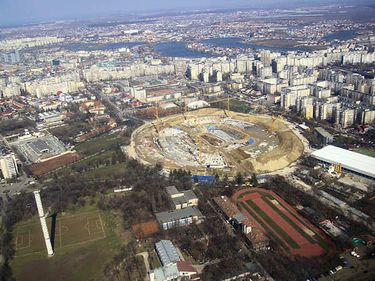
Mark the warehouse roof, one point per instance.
(349, 160)
(167, 252)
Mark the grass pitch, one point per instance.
(69, 230)
(84, 241)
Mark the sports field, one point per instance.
(282, 223)
(65, 231)
(82, 238)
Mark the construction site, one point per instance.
(212, 141)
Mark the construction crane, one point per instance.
(158, 121)
(227, 99)
(199, 142)
(271, 128)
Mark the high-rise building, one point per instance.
(11, 57)
(8, 166)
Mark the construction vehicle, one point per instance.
(337, 168)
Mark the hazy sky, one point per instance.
(23, 11)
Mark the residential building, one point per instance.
(8, 166)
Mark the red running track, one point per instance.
(306, 248)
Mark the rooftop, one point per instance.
(167, 252)
(178, 214)
(349, 160)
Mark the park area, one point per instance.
(282, 224)
(82, 240)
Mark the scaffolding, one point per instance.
(43, 223)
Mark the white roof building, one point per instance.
(351, 161)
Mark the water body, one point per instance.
(178, 49)
(235, 42)
(102, 47)
(341, 35)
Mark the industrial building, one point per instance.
(182, 199)
(173, 268)
(38, 147)
(351, 161)
(180, 217)
(167, 252)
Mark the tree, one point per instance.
(254, 180)
(239, 178)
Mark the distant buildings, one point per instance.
(10, 57)
(92, 106)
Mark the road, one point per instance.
(147, 264)
(12, 189)
(120, 114)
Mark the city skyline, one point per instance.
(15, 12)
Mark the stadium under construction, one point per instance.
(213, 141)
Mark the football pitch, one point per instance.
(65, 231)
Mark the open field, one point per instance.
(82, 241)
(223, 141)
(365, 151)
(282, 223)
(105, 142)
(68, 231)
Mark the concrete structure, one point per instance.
(179, 217)
(323, 135)
(38, 148)
(351, 161)
(167, 252)
(8, 166)
(43, 223)
(182, 199)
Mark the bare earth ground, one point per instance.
(289, 148)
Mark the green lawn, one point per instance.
(77, 262)
(105, 172)
(365, 151)
(101, 143)
(274, 226)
